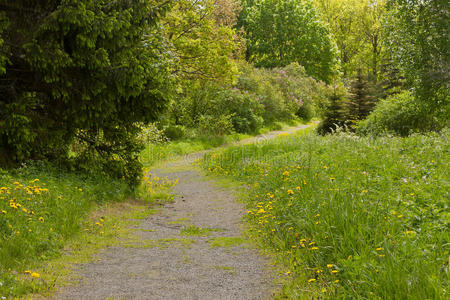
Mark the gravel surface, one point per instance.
(169, 265)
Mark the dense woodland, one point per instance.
(79, 79)
(86, 85)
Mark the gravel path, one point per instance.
(167, 264)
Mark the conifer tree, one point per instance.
(362, 100)
(335, 113)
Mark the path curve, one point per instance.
(170, 265)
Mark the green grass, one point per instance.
(198, 231)
(154, 153)
(349, 217)
(226, 242)
(40, 209)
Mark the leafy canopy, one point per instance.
(280, 32)
(80, 68)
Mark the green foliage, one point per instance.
(400, 114)
(417, 42)
(281, 32)
(361, 100)
(174, 132)
(349, 217)
(356, 26)
(201, 45)
(40, 209)
(335, 113)
(80, 69)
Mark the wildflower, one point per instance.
(35, 275)
(332, 178)
(329, 265)
(24, 210)
(380, 249)
(409, 232)
(27, 272)
(336, 281)
(298, 188)
(4, 212)
(399, 216)
(290, 192)
(41, 219)
(334, 271)
(314, 248)
(318, 215)
(286, 173)
(311, 280)
(325, 167)
(312, 243)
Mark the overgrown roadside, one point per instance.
(192, 243)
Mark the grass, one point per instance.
(155, 153)
(50, 220)
(226, 242)
(40, 209)
(198, 231)
(349, 217)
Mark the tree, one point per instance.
(280, 32)
(417, 41)
(334, 116)
(361, 100)
(356, 27)
(80, 70)
(200, 47)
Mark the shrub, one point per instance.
(220, 125)
(399, 114)
(174, 132)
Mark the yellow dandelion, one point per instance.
(336, 281)
(380, 249)
(329, 266)
(290, 192)
(27, 272)
(314, 248)
(311, 280)
(35, 275)
(334, 271)
(286, 173)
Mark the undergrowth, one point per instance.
(40, 209)
(349, 217)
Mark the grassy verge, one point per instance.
(155, 153)
(349, 217)
(40, 209)
(51, 220)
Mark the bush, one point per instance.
(220, 125)
(399, 114)
(174, 132)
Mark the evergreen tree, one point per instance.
(335, 113)
(362, 100)
(80, 70)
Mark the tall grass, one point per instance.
(349, 217)
(40, 208)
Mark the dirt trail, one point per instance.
(167, 264)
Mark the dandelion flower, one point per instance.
(334, 271)
(35, 275)
(27, 272)
(314, 248)
(311, 280)
(329, 265)
(290, 192)
(380, 249)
